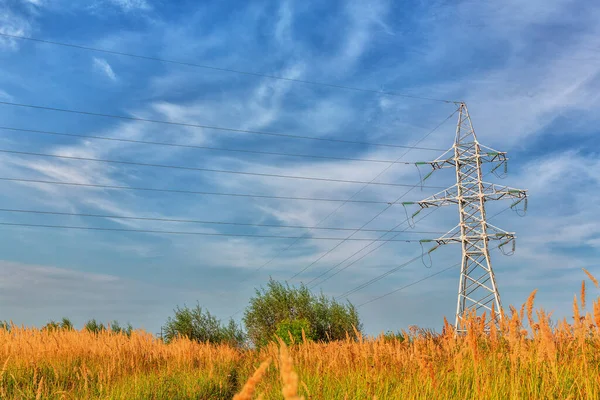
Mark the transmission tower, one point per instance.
(477, 287)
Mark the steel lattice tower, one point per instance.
(477, 288)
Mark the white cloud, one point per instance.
(36, 3)
(35, 294)
(13, 24)
(511, 102)
(131, 5)
(284, 25)
(363, 18)
(5, 96)
(103, 66)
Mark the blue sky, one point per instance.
(529, 73)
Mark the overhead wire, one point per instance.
(222, 171)
(182, 232)
(379, 277)
(185, 191)
(190, 125)
(209, 67)
(393, 230)
(191, 146)
(344, 203)
(371, 251)
(383, 210)
(409, 285)
(195, 221)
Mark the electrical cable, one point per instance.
(189, 64)
(341, 205)
(183, 232)
(411, 284)
(10, 210)
(191, 146)
(366, 254)
(183, 191)
(157, 121)
(222, 171)
(382, 211)
(379, 277)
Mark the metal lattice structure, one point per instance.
(477, 288)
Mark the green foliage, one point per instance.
(290, 331)
(200, 325)
(328, 320)
(94, 327)
(115, 327)
(390, 336)
(65, 323)
(5, 325)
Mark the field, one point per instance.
(546, 361)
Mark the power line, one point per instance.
(182, 232)
(379, 277)
(366, 254)
(182, 191)
(43, 212)
(189, 64)
(371, 251)
(380, 212)
(422, 279)
(344, 203)
(190, 146)
(156, 121)
(222, 171)
(409, 285)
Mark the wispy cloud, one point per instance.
(123, 5)
(521, 90)
(5, 96)
(12, 23)
(103, 66)
(129, 5)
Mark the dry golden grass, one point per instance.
(558, 361)
(250, 385)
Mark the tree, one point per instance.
(65, 324)
(116, 328)
(200, 325)
(294, 331)
(327, 319)
(94, 327)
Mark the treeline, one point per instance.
(293, 314)
(90, 326)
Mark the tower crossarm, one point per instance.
(445, 197)
(492, 233)
(468, 154)
(470, 193)
(496, 192)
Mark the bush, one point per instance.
(116, 328)
(200, 325)
(290, 331)
(94, 327)
(390, 336)
(327, 319)
(64, 324)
